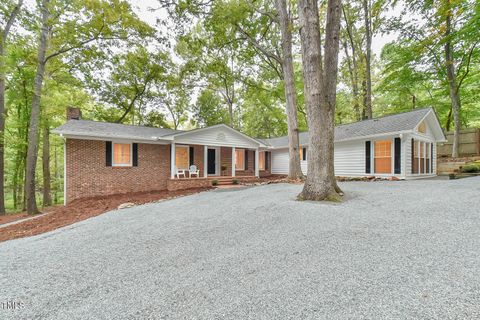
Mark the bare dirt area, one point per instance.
(79, 210)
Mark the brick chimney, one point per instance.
(74, 113)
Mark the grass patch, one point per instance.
(10, 208)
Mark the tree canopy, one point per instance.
(202, 63)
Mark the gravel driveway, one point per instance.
(392, 250)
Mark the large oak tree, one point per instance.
(320, 81)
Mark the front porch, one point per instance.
(216, 161)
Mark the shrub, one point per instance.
(470, 168)
(214, 182)
(235, 181)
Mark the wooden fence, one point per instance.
(469, 143)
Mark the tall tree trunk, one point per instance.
(353, 80)
(47, 197)
(55, 174)
(3, 40)
(294, 168)
(352, 70)
(2, 127)
(35, 113)
(368, 69)
(452, 80)
(448, 122)
(320, 82)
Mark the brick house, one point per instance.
(107, 158)
(102, 159)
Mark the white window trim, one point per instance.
(392, 158)
(113, 155)
(428, 145)
(188, 155)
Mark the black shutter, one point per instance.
(304, 154)
(267, 160)
(191, 152)
(368, 146)
(254, 157)
(245, 152)
(398, 155)
(108, 153)
(135, 154)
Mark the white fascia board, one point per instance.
(116, 138)
(372, 136)
(173, 136)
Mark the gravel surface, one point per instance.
(392, 250)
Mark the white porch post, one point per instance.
(257, 169)
(233, 161)
(425, 158)
(172, 161)
(205, 161)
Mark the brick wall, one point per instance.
(226, 159)
(251, 165)
(198, 158)
(88, 175)
(180, 184)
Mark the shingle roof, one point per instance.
(383, 125)
(111, 130)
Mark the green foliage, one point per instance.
(470, 168)
(235, 181)
(214, 183)
(219, 65)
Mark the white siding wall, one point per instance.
(280, 161)
(350, 158)
(407, 142)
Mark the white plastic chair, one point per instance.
(193, 170)
(179, 172)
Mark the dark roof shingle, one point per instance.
(111, 130)
(383, 125)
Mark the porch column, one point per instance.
(172, 161)
(257, 169)
(233, 161)
(205, 161)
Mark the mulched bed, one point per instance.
(82, 209)
(12, 217)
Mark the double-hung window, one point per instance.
(122, 155)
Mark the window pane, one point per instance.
(261, 160)
(121, 154)
(416, 158)
(181, 157)
(383, 156)
(239, 159)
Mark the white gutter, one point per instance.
(397, 133)
(74, 135)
